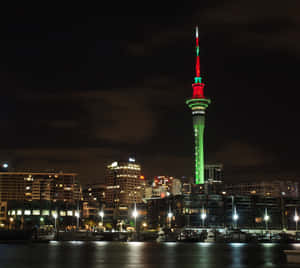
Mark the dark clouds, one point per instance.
(85, 89)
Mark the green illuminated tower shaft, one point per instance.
(198, 104)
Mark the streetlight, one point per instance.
(296, 219)
(11, 220)
(101, 214)
(235, 217)
(266, 218)
(135, 214)
(203, 216)
(55, 217)
(77, 215)
(170, 215)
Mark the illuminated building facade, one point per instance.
(124, 183)
(25, 186)
(163, 186)
(198, 104)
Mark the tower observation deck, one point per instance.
(198, 104)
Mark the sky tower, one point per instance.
(198, 104)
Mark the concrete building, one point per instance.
(214, 172)
(94, 192)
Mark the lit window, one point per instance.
(69, 213)
(27, 212)
(45, 213)
(35, 212)
(62, 213)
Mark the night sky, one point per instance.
(84, 86)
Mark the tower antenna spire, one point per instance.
(197, 78)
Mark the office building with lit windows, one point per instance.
(30, 186)
(124, 183)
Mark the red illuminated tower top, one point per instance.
(198, 86)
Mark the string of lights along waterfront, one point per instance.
(198, 104)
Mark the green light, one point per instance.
(198, 125)
(197, 51)
(198, 80)
(198, 103)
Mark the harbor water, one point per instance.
(141, 254)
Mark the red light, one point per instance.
(198, 91)
(142, 177)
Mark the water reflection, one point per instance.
(138, 254)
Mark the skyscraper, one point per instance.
(124, 183)
(198, 104)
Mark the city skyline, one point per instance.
(81, 92)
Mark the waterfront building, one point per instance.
(20, 214)
(219, 211)
(198, 104)
(274, 188)
(29, 186)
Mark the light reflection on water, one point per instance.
(138, 254)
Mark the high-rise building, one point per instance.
(124, 183)
(198, 104)
(213, 172)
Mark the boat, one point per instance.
(211, 237)
(191, 236)
(166, 237)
